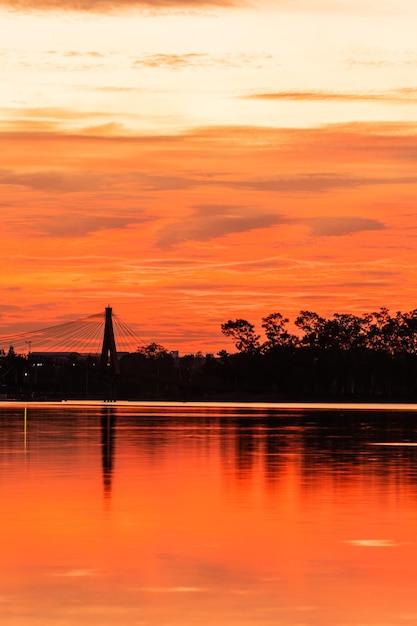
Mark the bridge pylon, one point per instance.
(109, 363)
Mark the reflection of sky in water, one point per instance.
(235, 517)
(373, 543)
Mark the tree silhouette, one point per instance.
(313, 327)
(276, 332)
(243, 334)
(153, 351)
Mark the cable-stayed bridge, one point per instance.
(105, 337)
(83, 336)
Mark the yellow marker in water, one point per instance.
(25, 418)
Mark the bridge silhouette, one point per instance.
(86, 335)
(103, 336)
(90, 357)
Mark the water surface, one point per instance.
(200, 515)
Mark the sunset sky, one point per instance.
(190, 162)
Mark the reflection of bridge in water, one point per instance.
(108, 424)
(107, 431)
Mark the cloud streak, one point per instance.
(198, 60)
(173, 61)
(54, 181)
(74, 182)
(74, 225)
(209, 222)
(305, 6)
(110, 6)
(401, 95)
(319, 183)
(342, 225)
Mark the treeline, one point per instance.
(378, 331)
(369, 357)
(372, 357)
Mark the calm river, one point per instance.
(177, 515)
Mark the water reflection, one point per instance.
(108, 423)
(231, 516)
(246, 441)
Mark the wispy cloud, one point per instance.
(74, 225)
(69, 225)
(57, 113)
(78, 181)
(318, 183)
(306, 6)
(173, 61)
(75, 53)
(380, 59)
(110, 6)
(61, 120)
(342, 225)
(406, 94)
(198, 60)
(53, 180)
(212, 221)
(208, 222)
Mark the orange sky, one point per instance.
(188, 162)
